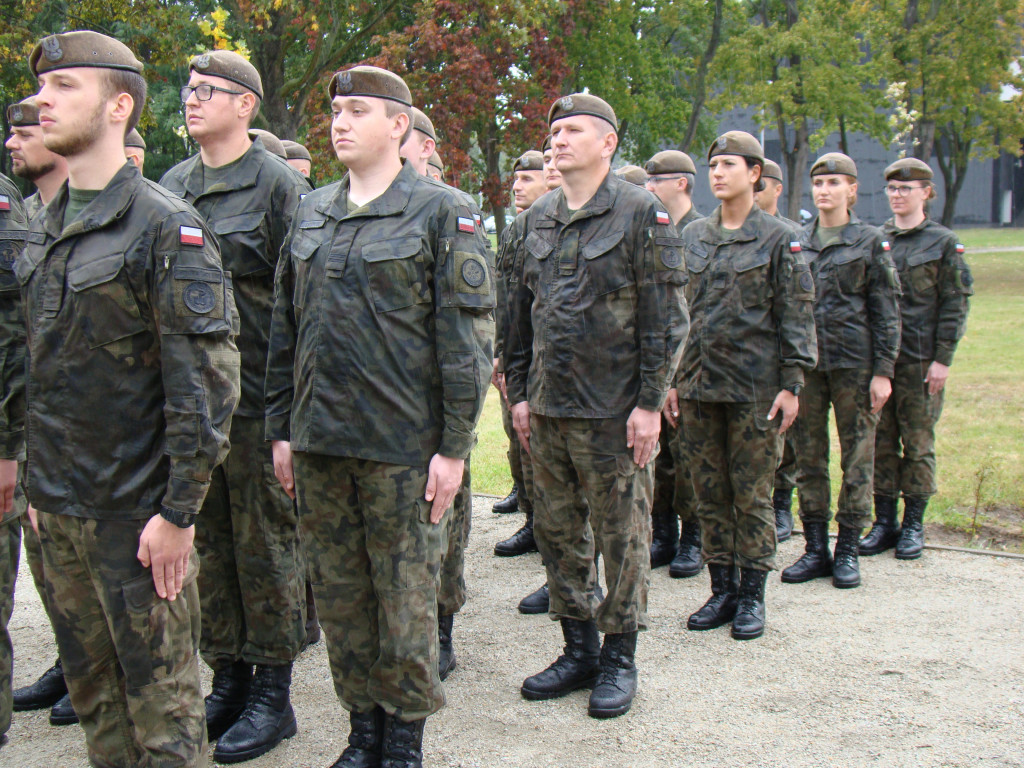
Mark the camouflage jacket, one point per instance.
(691, 215)
(751, 307)
(856, 304)
(132, 373)
(381, 342)
(33, 205)
(505, 272)
(598, 320)
(13, 231)
(936, 285)
(250, 214)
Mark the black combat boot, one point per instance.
(520, 542)
(265, 722)
(227, 697)
(62, 713)
(44, 692)
(365, 740)
(665, 535)
(845, 568)
(911, 541)
(782, 500)
(403, 743)
(444, 635)
(816, 561)
(721, 607)
(616, 685)
(312, 620)
(536, 602)
(749, 621)
(576, 668)
(509, 504)
(687, 561)
(884, 533)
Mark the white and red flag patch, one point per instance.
(794, 246)
(190, 235)
(960, 248)
(477, 218)
(663, 218)
(5, 203)
(466, 225)
(885, 245)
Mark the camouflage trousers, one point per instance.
(785, 475)
(34, 558)
(672, 473)
(130, 658)
(519, 461)
(374, 561)
(905, 439)
(10, 551)
(252, 582)
(733, 452)
(847, 391)
(451, 589)
(577, 460)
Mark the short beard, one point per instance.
(77, 143)
(34, 172)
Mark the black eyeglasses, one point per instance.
(203, 92)
(901, 190)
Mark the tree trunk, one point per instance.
(491, 151)
(700, 79)
(795, 158)
(954, 160)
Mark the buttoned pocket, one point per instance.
(11, 245)
(607, 267)
(104, 302)
(394, 274)
(243, 243)
(923, 269)
(752, 277)
(539, 249)
(851, 272)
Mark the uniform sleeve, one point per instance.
(793, 308)
(287, 195)
(194, 304)
(464, 300)
(279, 387)
(884, 292)
(662, 318)
(956, 286)
(13, 231)
(517, 348)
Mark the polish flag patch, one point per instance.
(466, 225)
(794, 247)
(190, 235)
(960, 248)
(5, 203)
(478, 219)
(663, 218)
(885, 245)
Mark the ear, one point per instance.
(246, 104)
(428, 148)
(611, 143)
(684, 184)
(122, 108)
(400, 126)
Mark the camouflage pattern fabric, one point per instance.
(664, 475)
(733, 450)
(34, 558)
(130, 658)
(785, 475)
(374, 559)
(10, 549)
(451, 590)
(905, 438)
(519, 461)
(684, 500)
(847, 391)
(13, 235)
(577, 460)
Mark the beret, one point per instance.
(365, 80)
(529, 161)
(547, 143)
(231, 66)
(909, 169)
(582, 104)
(421, 123)
(134, 139)
(670, 161)
(771, 170)
(295, 151)
(271, 143)
(435, 160)
(634, 174)
(834, 162)
(737, 143)
(24, 113)
(82, 48)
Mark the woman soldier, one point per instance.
(751, 339)
(857, 319)
(936, 284)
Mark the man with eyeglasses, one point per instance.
(252, 579)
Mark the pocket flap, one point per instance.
(243, 222)
(601, 245)
(923, 257)
(399, 248)
(696, 260)
(846, 255)
(304, 247)
(95, 272)
(748, 261)
(538, 246)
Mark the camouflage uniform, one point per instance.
(597, 327)
(128, 302)
(750, 295)
(252, 579)
(380, 355)
(936, 285)
(857, 321)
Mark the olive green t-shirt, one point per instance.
(78, 199)
(828, 235)
(213, 176)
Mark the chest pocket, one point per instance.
(923, 269)
(304, 245)
(243, 244)
(752, 277)
(851, 271)
(11, 246)
(696, 266)
(539, 249)
(396, 278)
(104, 302)
(25, 265)
(606, 266)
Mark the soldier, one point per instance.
(857, 319)
(552, 176)
(252, 577)
(634, 174)
(30, 159)
(135, 148)
(435, 168)
(597, 324)
(767, 200)
(125, 301)
(422, 140)
(298, 157)
(671, 175)
(936, 285)
(13, 231)
(751, 295)
(379, 361)
(271, 143)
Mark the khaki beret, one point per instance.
(365, 80)
(231, 66)
(547, 144)
(529, 161)
(421, 123)
(82, 48)
(295, 151)
(909, 169)
(134, 139)
(582, 104)
(271, 143)
(771, 170)
(24, 113)
(737, 143)
(834, 162)
(634, 174)
(435, 160)
(670, 161)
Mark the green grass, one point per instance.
(981, 239)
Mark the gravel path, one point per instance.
(922, 666)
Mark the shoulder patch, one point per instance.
(886, 246)
(466, 225)
(199, 297)
(5, 203)
(663, 218)
(794, 246)
(960, 248)
(806, 281)
(473, 273)
(190, 236)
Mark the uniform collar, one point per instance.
(890, 227)
(393, 201)
(110, 204)
(602, 201)
(715, 233)
(245, 172)
(845, 234)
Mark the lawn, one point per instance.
(981, 434)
